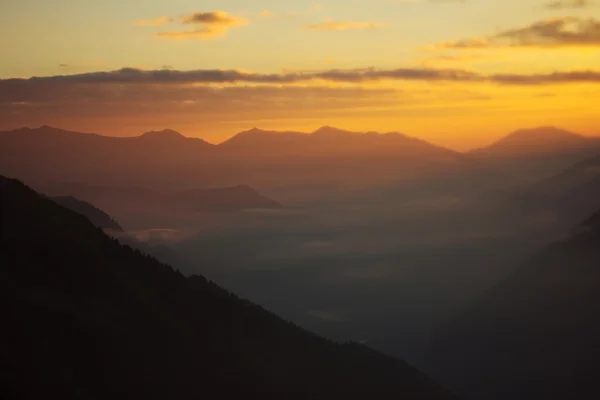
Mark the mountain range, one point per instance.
(86, 318)
(263, 158)
(256, 157)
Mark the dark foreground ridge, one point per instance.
(87, 318)
(96, 216)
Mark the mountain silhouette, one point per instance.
(331, 132)
(263, 159)
(537, 153)
(166, 134)
(534, 141)
(43, 154)
(87, 318)
(227, 199)
(96, 216)
(334, 142)
(535, 335)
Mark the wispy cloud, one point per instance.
(551, 33)
(562, 4)
(207, 25)
(133, 76)
(154, 22)
(201, 33)
(436, 61)
(213, 18)
(332, 25)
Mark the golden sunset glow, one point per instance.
(459, 73)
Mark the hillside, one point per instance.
(96, 216)
(535, 335)
(87, 318)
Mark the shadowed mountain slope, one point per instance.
(571, 195)
(87, 318)
(535, 335)
(96, 216)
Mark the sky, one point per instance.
(457, 73)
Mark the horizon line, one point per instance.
(283, 131)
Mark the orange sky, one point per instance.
(460, 74)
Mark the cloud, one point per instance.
(562, 4)
(202, 33)
(208, 25)
(220, 18)
(153, 22)
(130, 99)
(463, 58)
(133, 76)
(551, 33)
(552, 78)
(31, 102)
(332, 25)
(473, 43)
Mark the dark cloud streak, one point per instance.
(563, 4)
(557, 32)
(132, 76)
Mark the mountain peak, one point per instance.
(542, 134)
(331, 131)
(254, 131)
(46, 129)
(165, 133)
(543, 139)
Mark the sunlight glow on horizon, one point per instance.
(517, 37)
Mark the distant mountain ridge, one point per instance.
(328, 157)
(542, 137)
(533, 154)
(344, 139)
(257, 158)
(526, 142)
